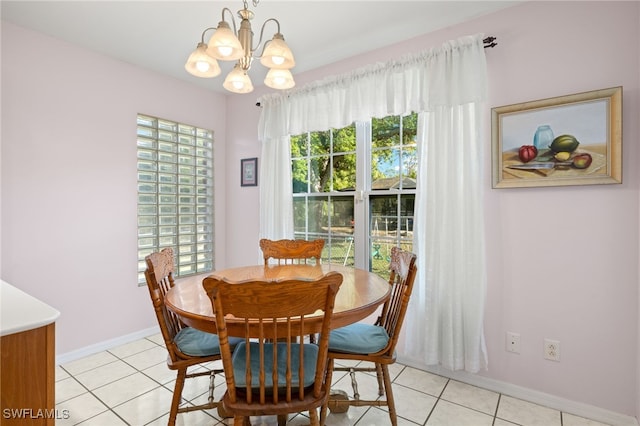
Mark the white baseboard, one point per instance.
(537, 397)
(105, 345)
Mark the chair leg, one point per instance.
(313, 417)
(389, 394)
(177, 395)
(222, 412)
(379, 375)
(328, 378)
(241, 421)
(282, 419)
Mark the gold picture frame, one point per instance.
(577, 140)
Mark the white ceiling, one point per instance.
(160, 35)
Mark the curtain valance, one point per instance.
(417, 82)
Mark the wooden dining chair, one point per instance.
(273, 371)
(186, 346)
(374, 343)
(291, 251)
(287, 252)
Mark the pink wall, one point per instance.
(563, 262)
(69, 232)
(243, 202)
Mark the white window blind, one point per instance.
(175, 193)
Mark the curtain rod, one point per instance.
(488, 42)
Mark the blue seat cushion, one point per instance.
(194, 342)
(310, 354)
(358, 338)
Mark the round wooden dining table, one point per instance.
(360, 294)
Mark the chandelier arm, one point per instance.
(233, 21)
(262, 34)
(205, 30)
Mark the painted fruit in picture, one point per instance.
(582, 161)
(527, 153)
(564, 143)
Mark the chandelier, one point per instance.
(237, 45)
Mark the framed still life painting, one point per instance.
(568, 140)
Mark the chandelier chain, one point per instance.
(254, 2)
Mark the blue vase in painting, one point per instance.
(543, 137)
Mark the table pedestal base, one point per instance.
(338, 401)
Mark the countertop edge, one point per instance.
(22, 312)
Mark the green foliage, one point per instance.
(313, 153)
(299, 168)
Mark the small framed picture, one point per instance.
(249, 172)
(568, 140)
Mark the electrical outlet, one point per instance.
(552, 350)
(513, 342)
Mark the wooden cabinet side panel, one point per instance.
(27, 377)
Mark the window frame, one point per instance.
(175, 197)
(361, 194)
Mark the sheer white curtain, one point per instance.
(446, 85)
(446, 311)
(276, 201)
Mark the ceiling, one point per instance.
(160, 35)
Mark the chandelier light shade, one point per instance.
(277, 54)
(279, 79)
(202, 64)
(238, 81)
(228, 44)
(224, 44)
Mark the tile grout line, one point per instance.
(495, 413)
(136, 370)
(438, 398)
(89, 391)
(183, 401)
(160, 385)
(493, 416)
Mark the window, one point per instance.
(357, 185)
(175, 193)
(323, 173)
(392, 195)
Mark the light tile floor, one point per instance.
(131, 385)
